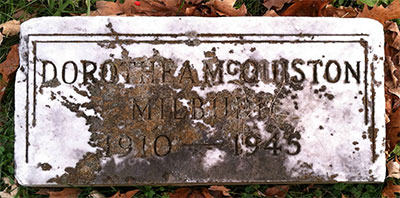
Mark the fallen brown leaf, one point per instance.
(191, 193)
(180, 193)
(8, 67)
(271, 13)
(222, 189)
(96, 194)
(138, 8)
(22, 15)
(128, 194)
(194, 2)
(10, 28)
(43, 191)
(152, 7)
(381, 13)
(10, 191)
(277, 191)
(390, 189)
(392, 41)
(206, 193)
(393, 168)
(306, 8)
(276, 4)
(169, 8)
(201, 10)
(393, 90)
(107, 8)
(225, 7)
(392, 69)
(65, 193)
(342, 12)
(388, 105)
(393, 130)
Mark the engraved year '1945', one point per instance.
(241, 144)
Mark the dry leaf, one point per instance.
(106, 8)
(391, 26)
(277, 191)
(390, 189)
(10, 28)
(1, 38)
(201, 10)
(225, 7)
(12, 189)
(393, 90)
(190, 11)
(306, 8)
(342, 12)
(392, 68)
(168, 8)
(206, 193)
(138, 8)
(152, 7)
(8, 67)
(128, 194)
(392, 37)
(22, 15)
(180, 193)
(271, 13)
(65, 193)
(393, 168)
(388, 105)
(194, 2)
(393, 129)
(277, 4)
(191, 193)
(223, 189)
(381, 13)
(96, 194)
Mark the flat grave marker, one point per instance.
(187, 101)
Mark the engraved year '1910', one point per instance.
(241, 144)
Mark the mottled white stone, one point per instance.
(336, 141)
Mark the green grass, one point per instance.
(39, 8)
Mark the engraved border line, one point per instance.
(202, 41)
(199, 35)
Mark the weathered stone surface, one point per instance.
(145, 100)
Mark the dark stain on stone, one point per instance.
(157, 130)
(372, 132)
(209, 54)
(329, 96)
(50, 83)
(45, 166)
(364, 136)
